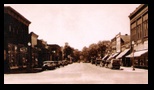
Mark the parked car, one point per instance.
(61, 63)
(115, 64)
(65, 62)
(102, 63)
(48, 65)
(57, 64)
(93, 60)
(97, 61)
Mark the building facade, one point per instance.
(43, 51)
(119, 45)
(139, 35)
(123, 46)
(34, 50)
(16, 28)
(56, 52)
(113, 45)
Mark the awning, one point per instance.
(104, 56)
(109, 57)
(114, 55)
(122, 53)
(137, 54)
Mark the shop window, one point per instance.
(9, 28)
(12, 53)
(147, 27)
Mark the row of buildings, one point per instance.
(132, 49)
(21, 48)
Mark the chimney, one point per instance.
(126, 34)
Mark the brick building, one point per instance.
(34, 50)
(139, 35)
(118, 44)
(56, 52)
(16, 28)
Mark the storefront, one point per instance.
(125, 61)
(140, 58)
(17, 56)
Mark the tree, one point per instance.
(76, 53)
(68, 51)
(101, 48)
(93, 50)
(85, 53)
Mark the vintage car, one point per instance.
(48, 65)
(60, 63)
(98, 61)
(65, 62)
(102, 63)
(57, 64)
(114, 64)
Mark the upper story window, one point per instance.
(133, 33)
(139, 31)
(145, 28)
(10, 28)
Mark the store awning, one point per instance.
(115, 54)
(109, 57)
(122, 53)
(104, 56)
(137, 53)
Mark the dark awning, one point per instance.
(137, 53)
(122, 53)
(114, 55)
(104, 56)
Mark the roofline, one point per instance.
(34, 34)
(13, 10)
(136, 10)
(53, 45)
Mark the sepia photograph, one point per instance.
(75, 43)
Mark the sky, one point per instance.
(78, 24)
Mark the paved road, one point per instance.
(80, 73)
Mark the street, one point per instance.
(80, 73)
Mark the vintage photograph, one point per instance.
(75, 43)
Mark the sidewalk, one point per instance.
(18, 71)
(130, 69)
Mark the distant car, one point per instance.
(102, 63)
(60, 63)
(115, 64)
(48, 65)
(57, 64)
(65, 62)
(93, 61)
(97, 62)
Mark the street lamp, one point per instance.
(133, 55)
(29, 61)
(54, 55)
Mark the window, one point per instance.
(133, 33)
(140, 33)
(9, 28)
(145, 28)
(137, 29)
